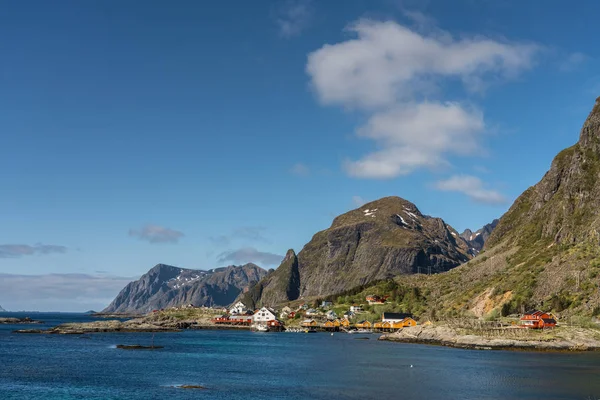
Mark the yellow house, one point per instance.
(378, 325)
(329, 324)
(337, 323)
(397, 324)
(364, 325)
(345, 323)
(309, 323)
(409, 322)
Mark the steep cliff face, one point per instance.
(278, 286)
(166, 286)
(545, 251)
(564, 206)
(379, 240)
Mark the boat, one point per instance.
(310, 330)
(262, 328)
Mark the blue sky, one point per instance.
(204, 134)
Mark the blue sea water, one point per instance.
(247, 365)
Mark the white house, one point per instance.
(326, 304)
(311, 311)
(264, 315)
(331, 315)
(285, 311)
(356, 309)
(238, 308)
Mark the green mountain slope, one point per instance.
(544, 252)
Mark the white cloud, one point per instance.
(472, 187)
(156, 234)
(388, 62)
(358, 201)
(389, 70)
(19, 250)
(300, 169)
(293, 17)
(416, 135)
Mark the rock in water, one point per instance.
(137, 347)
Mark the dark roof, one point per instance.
(533, 312)
(549, 320)
(393, 315)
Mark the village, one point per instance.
(322, 317)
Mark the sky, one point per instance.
(204, 134)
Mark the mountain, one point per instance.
(544, 252)
(380, 240)
(165, 286)
(2, 309)
(476, 240)
(563, 207)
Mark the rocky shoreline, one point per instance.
(117, 315)
(558, 339)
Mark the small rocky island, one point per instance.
(14, 321)
(137, 347)
(134, 325)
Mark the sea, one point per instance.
(255, 365)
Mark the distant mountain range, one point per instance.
(477, 239)
(165, 286)
(2, 309)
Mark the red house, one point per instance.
(537, 320)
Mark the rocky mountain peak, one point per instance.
(379, 240)
(477, 239)
(393, 208)
(590, 132)
(289, 255)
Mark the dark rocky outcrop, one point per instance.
(278, 286)
(137, 347)
(379, 240)
(166, 286)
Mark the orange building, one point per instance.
(309, 323)
(537, 320)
